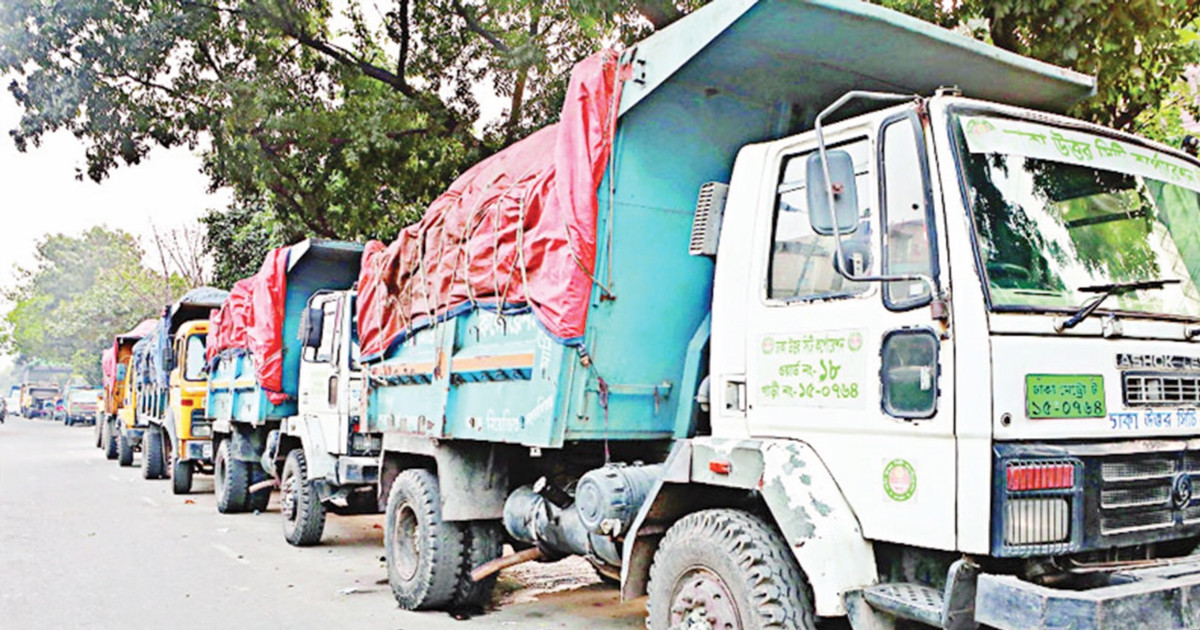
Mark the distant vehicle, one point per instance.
(14, 399)
(34, 398)
(80, 407)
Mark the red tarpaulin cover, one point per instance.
(251, 320)
(108, 365)
(516, 230)
(108, 360)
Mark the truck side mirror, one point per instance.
(845, 195)
(314, 325)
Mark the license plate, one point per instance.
(201, 450)
(1064, 396)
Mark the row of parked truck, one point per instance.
(910, 356)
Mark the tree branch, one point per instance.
(476, 27)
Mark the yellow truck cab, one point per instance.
(116, 364)
(127, 418)
(188, 446)
(177, 438)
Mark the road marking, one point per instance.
(233, 555)
(150, 501)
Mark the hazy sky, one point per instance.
(39, 193)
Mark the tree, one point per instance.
(238, 239)
(181, 251)
(340, 123)
(1137, 49)
(80, 292)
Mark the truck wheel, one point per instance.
(110, 440)
(124, 450)
(726, 569)
(181, 476)
(424, 555)
(483, 542)
(152, 454)
(99, 433)
(303, 513)
(230, 481)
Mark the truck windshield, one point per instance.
(1056, 210)
(193, 369)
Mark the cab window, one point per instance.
(193, 359)
(801, 266)
(325, 351)
(904, 187)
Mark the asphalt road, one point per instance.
(87, 544)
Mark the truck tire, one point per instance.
(230, 482)
(99, 433)
(302, 510)
(424, 555)
(181, 476)
(124, 450)
(110, 440)
(727, 569)
(483, 541)
(153, 466)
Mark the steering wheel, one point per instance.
(1008, 273)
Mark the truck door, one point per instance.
(319, 378)
(861, 371)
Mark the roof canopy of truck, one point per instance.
(195, 304)
(803, 55)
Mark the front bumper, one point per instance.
(1160, 597)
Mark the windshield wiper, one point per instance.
(1106, 290)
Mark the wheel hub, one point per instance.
(702, 601)
(404, 546)
(287, 498)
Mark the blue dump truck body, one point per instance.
(234, 395)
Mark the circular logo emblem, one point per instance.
(854, 341)
(768, 345)
(899, 480)
(1181, 491)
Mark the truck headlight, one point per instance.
(1037, 521)
(1039, 497)
(201, 426)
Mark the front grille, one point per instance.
(1115, 498)
(1126, 522)
(1135, 496)
(1153, 389)
(1138, 469)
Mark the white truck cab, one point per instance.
(328, 460)
(1016, 417)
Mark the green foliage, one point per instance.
(239, 239)
(81, 291)
(1138, 50)
(338, 119)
